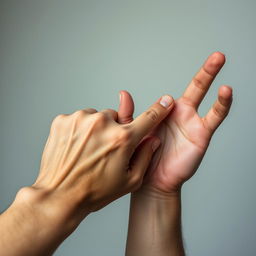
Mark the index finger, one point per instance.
(201, 82)
(149, 119)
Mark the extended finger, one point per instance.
(126, 108)
(201, 82)
(220, 109)
(149, 119)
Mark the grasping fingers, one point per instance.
(201, 82)
(220, 109)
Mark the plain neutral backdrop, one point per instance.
(60, 56)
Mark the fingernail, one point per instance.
(166, 101)
(155, 144)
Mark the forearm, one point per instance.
(155, 225)
(27, 227)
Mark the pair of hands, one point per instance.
(92, 158)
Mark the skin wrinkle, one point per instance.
(219, 110)
(209, 74)
(174, 141)
(167, 127)
(159, 152)
(182, 131)
(152, 167)
(207, 127)
(199, 84)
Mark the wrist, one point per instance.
(23, 224)
(50, 208)
(155, 223)
(153, 193)
(158, 205)
(37, 216)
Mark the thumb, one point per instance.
(142, 157)
(126, 108)
(148, 120)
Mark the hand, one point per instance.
(90, 160)
(185, 136)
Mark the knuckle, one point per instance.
(110, 110)
(198, 83)
(79, 114)
(152, 114)
(226, 103)
(219, 111)
(110, 113)
(90, 110)
(100, 117)
(58, 119)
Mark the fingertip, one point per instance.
(125, 91)
(218, 57)
(225, 96)
(214, 63)
(125, 95)
(219, 52)
(166, 101)
(226, 91)
(152, 117)
(126, 107)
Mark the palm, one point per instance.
(184, 142)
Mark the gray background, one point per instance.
(61, 56)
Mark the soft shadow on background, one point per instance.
(60, 56)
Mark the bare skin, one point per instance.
(185, 137)
(89, 160)
(98, 161)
